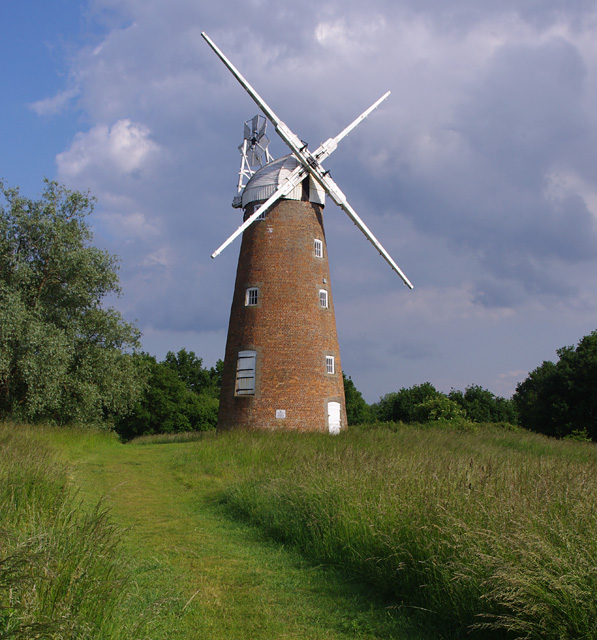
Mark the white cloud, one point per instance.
(559, 185)
(354, 39)
(56, 104)
(160, 258)
(125, 147)
(134, 225)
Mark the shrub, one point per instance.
(439, 409)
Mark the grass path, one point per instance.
(213, 577)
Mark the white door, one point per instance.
(334, 417)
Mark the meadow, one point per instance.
(382, 532)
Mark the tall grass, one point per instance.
(490, 531)
(61, 572)
(493, 533)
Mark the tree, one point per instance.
(401, 406)
(63, 357)
(481, 405)
(189, 369)
(357, 410)
(180, 395)
(560, 399)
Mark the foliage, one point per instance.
(560, 399)
(481, 405)
(180, 395)
(357, 410)
(401, 406)
(63, 357)
(189, 369)
(439, 408)
(423, 402)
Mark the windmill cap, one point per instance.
(264, 182)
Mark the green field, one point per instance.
(400, 532)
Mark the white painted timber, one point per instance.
(334, 418)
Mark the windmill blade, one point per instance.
(284, 132)
(305, 157)
(261, 131)
(310, 161)
(284, 189)
(254, 125)
(254, 155)
(335, 193)
(330, 145)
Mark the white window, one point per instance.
(318, 249)
(251, 297)
(323, 298)
(330, 364)
(245, 373)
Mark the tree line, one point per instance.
(424, 403)
(67, 358)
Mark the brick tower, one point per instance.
(282, 364)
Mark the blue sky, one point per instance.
(478, 173)
(34, 41)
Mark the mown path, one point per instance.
(214, 577)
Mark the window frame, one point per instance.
(324, 299)
(252, 297)
(318, 248)
(330, 363)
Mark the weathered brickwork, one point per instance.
(287, 328)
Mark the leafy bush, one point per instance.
(439, 409)
(423, 402)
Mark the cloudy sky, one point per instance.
(478, 174)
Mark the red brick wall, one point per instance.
(288, 329)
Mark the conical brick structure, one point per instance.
(282, 363)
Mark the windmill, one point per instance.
(282, 363)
